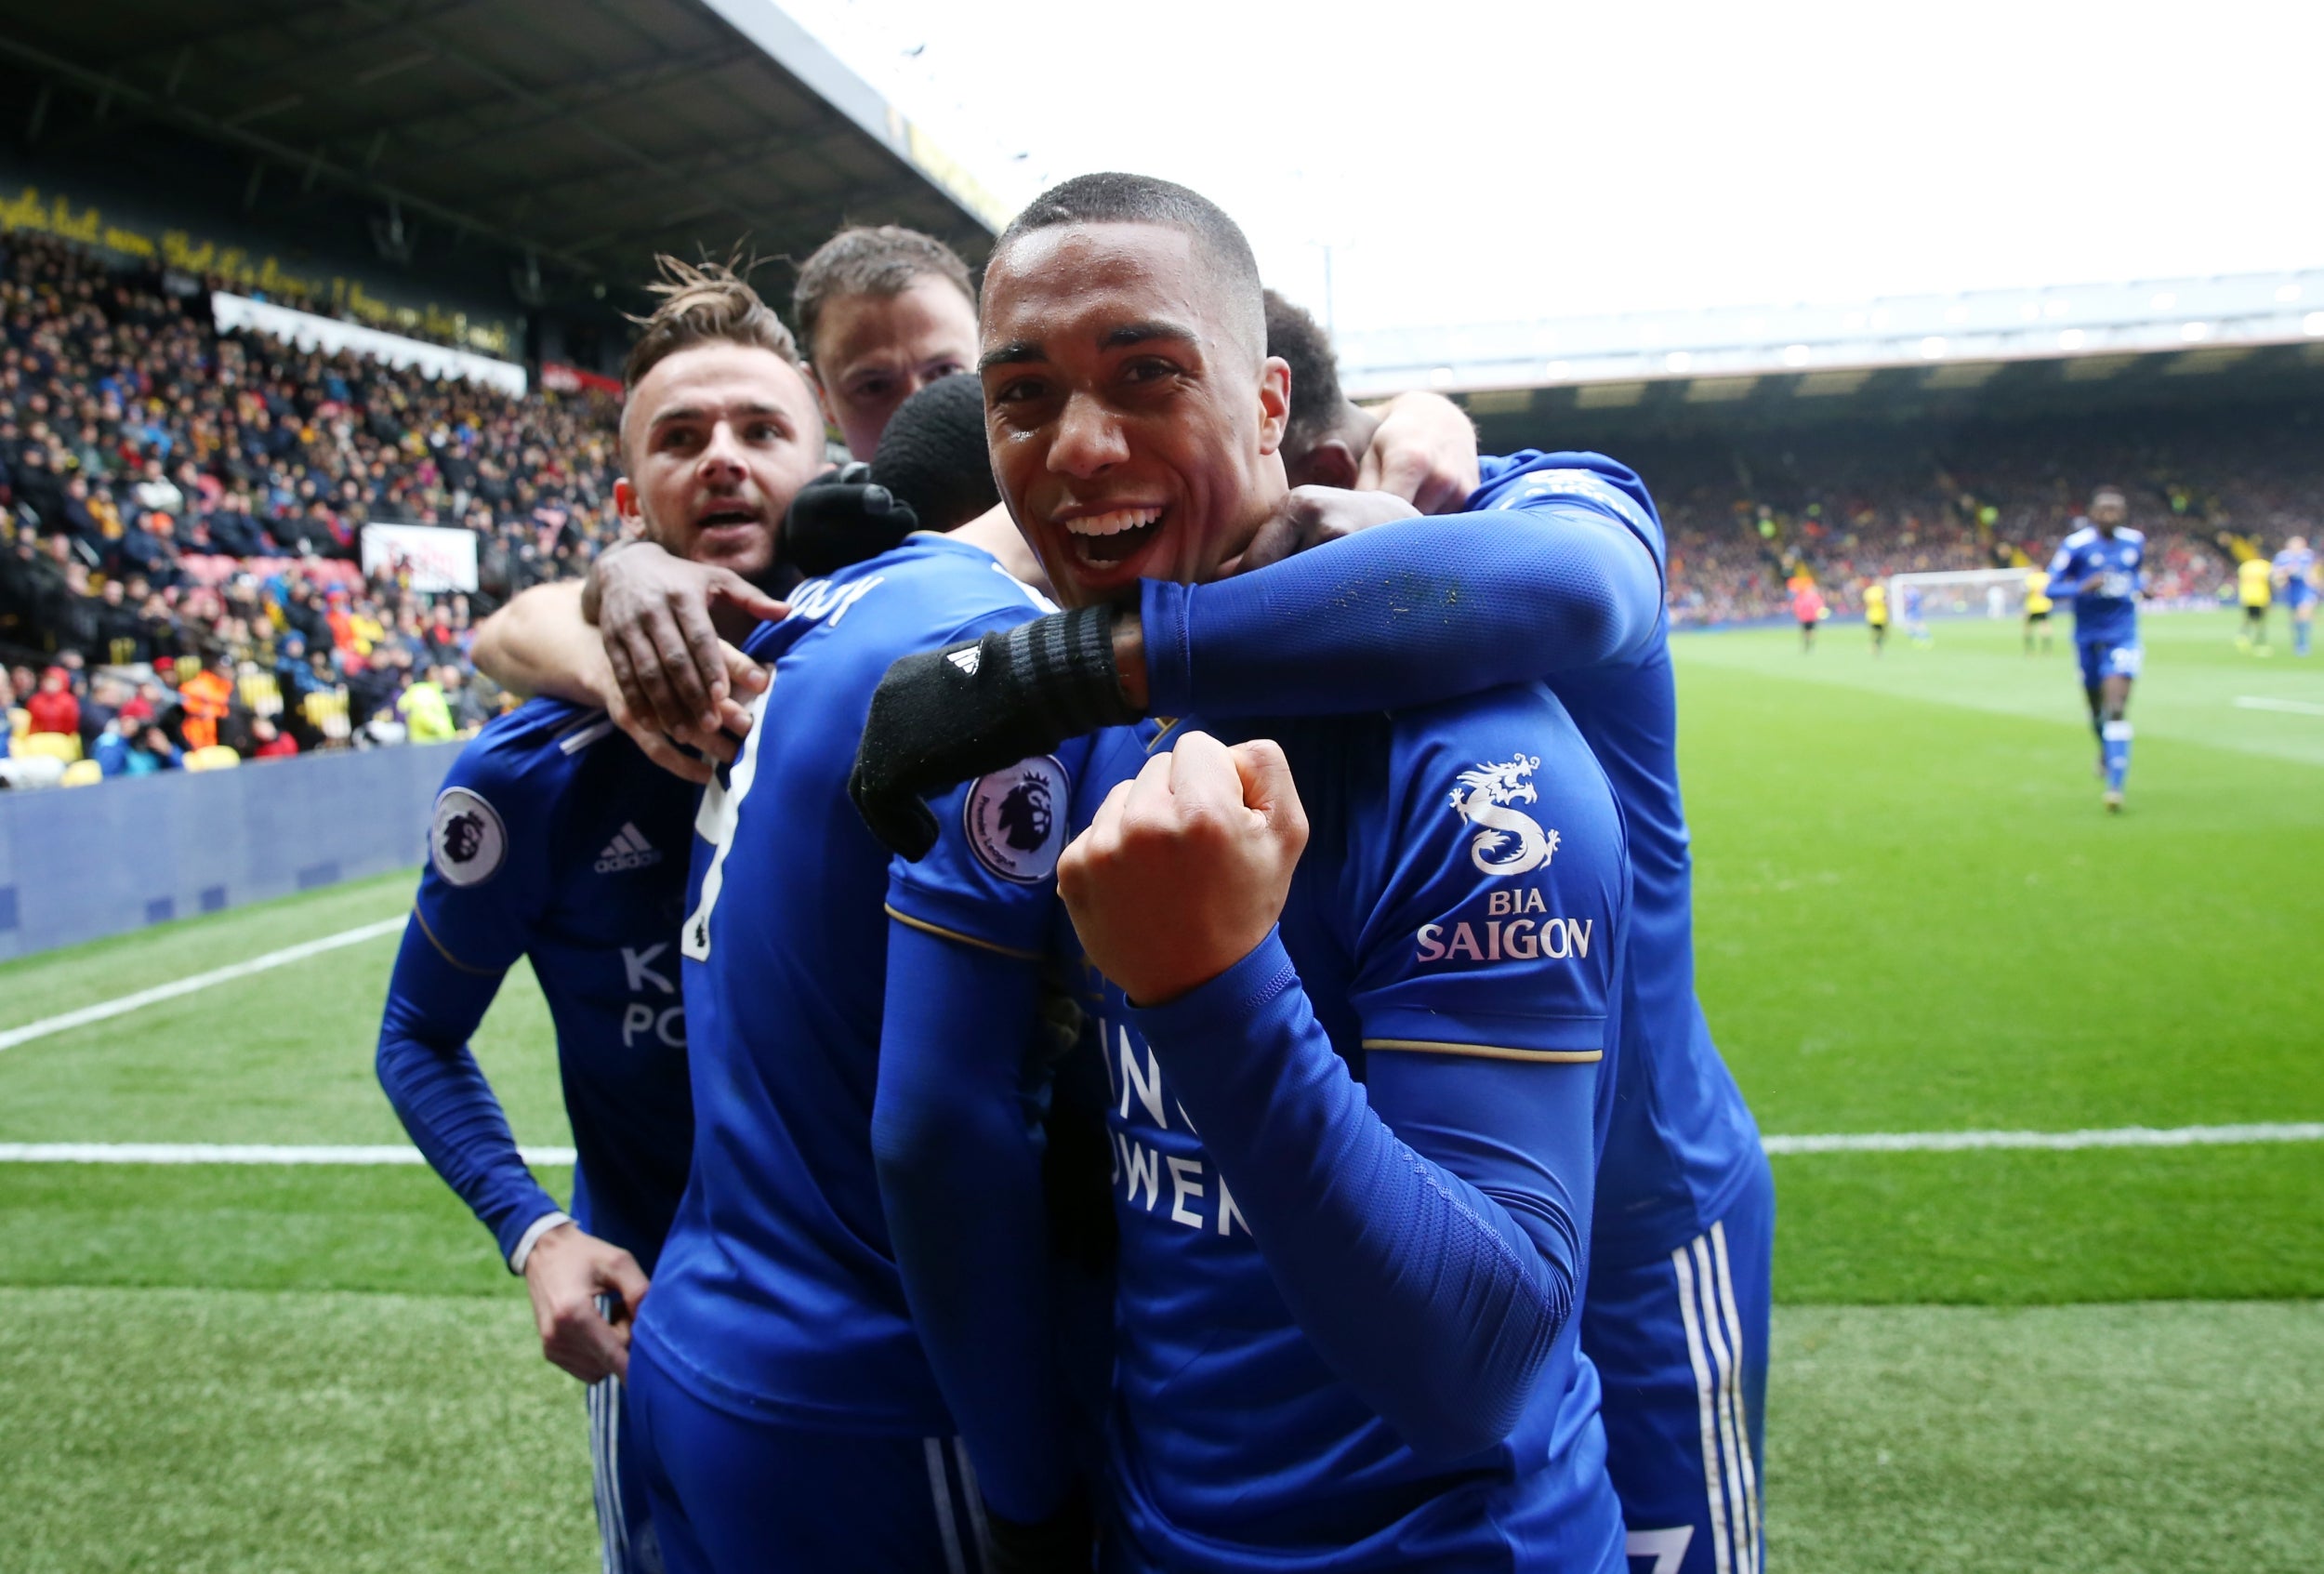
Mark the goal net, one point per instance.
(1977, 592)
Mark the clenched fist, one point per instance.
(1185, 869)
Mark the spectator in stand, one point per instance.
(153, 752)
(425, 715)
(269, 742)
(208, 697)
(111, 748)
(52, 707)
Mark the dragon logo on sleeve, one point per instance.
(1509, 841)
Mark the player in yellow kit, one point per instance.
(2255, 582)
(1876, 613)
(2037, 609)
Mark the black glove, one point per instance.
(837, 522)
(943, 717)
(1064, 1543)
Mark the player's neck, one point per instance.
(994, 532)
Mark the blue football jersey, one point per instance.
(2297, 564)
(557, 840)
(1459, 907)
(778, 1294)
(1683, 1144)
(2107, 612)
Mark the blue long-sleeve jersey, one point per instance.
(778, 1295)
(1354, 1174)
(2107, 612)
(557, 840)
(1554, 572)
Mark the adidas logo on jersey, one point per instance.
(964, 658)
(628, 850)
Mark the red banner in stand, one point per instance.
(561, 379)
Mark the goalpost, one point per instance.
(1975, 592)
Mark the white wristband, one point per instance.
(531, 1238)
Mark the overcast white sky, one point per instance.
(1474, 161)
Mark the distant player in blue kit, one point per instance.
(1354, 1157)
(2101, 566)
(556, 839)
(2299, 588)
(1557, 574)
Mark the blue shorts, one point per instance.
(625, 1521)
(2299, 595)
(2109, 659)
(1681, 1345)
(731, 1495)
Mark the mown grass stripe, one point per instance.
(233, 1153)
(123, 1005)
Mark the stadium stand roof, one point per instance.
(2148, 342)
(588, 133)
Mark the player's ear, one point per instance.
(1329, 463)
(625, 505)
(1274, 402)
(822, 399)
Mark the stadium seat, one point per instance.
(24, 772)
(218, 757)
(64, 747)
(82, 772)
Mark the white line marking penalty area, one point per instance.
(2289, 707)
(1846, 1141)
(124, 1004)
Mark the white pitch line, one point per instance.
(170, 991)
(226, 1153)
(2116, 1136)
(2292, 707)
(1844, 1142)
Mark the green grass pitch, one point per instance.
(1912, 916)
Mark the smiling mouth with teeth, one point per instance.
(1111, 536)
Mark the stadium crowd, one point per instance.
(1852, 506)
(179, 551)
(183, 510)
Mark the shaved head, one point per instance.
(1115, 198)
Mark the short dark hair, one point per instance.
(872, 259)
(933, 454)
(1316, 403)
(1110, 197)
(703, 303)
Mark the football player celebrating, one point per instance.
(1559, 573)
(1345, 1320)
(556, 839)
(2099, 564)
(884, 312)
